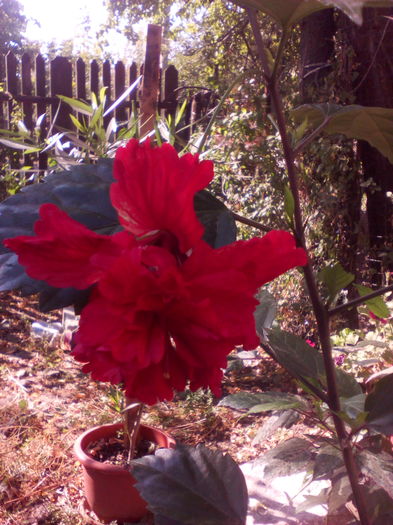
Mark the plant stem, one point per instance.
(131, 419)
(320, 311)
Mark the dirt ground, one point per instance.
(46, 402)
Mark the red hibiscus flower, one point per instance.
(157, 317)
(155, 190)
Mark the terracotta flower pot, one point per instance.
(109, 489)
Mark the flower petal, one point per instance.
(64, 252)
(155, 190)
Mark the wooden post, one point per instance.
(151, 78)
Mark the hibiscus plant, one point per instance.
(150, 260)
(160, 307)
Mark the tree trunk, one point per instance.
(372, 44)
(316, 51)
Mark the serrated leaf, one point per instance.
(377, 305)
(173, 482)
(379, 405)
(263, 401)
(336, 279)
(306, 363)
(373, 124)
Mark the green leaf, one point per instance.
(290, 12)
(328, 459)
(340, 493)
(265, 312)
(377, 305)
(77, 124)
(263, 401)
(378, 467)
(78, 105)
(335, 278)
(220, 226)
(379, 405)
(306, 363)
(15, 144)
(373, 124)
(286, 12)
(82, 192)
(193, 485)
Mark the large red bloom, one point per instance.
(157, 318)
(155, 190)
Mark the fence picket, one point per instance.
(61, 84)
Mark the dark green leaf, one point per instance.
(377, 305)
(329, 458)
(220, 226)
(195, 486)
(290, 457)
(305, 362)
(348, 387)
(82, 192)
(353, 408)
(53, 298)
(340, 493)
(379, 405)
(379, 504)
(335, 278)
(373, 124)
(378, 467)
(263, 401)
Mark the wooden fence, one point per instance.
(35, 83)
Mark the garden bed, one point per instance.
(46, 402)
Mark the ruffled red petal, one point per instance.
(64, 252)
(155, 190)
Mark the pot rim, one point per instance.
(84, 439)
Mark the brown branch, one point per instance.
(360, 300)
(250, 222)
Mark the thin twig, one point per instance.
(360, 300)
(250, 222)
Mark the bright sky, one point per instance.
(60, 19)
